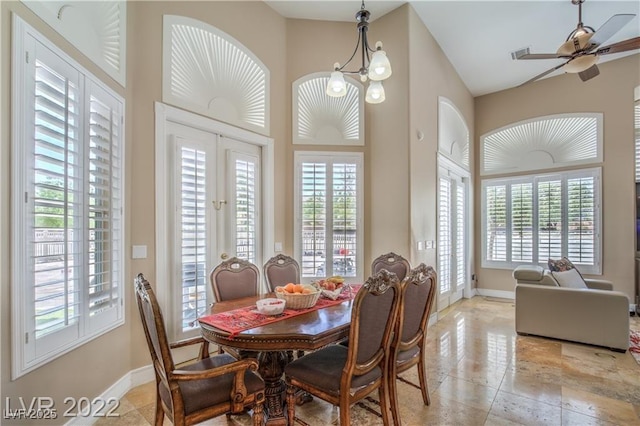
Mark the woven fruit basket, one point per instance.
(299, 300)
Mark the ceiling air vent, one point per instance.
(519, 53)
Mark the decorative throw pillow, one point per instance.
(560, 265)
(570, 278)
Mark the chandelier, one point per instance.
(375, 68)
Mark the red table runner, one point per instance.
(241, 319)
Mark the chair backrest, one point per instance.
(391, 262)
(373, 314)
(418, 291)
(154, 330)
(234, 278)
(281, 270)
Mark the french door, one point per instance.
(215, 214)
(453, 229)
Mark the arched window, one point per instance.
(209, 72)
(529, 218)
(324, 120)
(453, 133)
(542, 143)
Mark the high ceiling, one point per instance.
(478, 36)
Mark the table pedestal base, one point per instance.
(271, 367)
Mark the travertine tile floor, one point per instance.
(480, 372)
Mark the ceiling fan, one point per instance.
(581, 49)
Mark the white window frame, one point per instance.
(596, 268)
(331, 158)
(24, 358)
(165, 114)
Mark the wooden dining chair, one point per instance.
(391, 262)
(342, 375)
(234, 278)
(410, 331)
(207, 388)
(281, 270)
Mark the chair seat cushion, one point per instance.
(200, 394)
(404, 356)
(323, 369)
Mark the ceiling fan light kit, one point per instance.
(581, 49)
(375, 68)
(581, 63)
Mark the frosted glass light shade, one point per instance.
(380, 67)
(336, 87)
(375, 93)
(581, 63)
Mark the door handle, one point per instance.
(218, 204)
(224, 256)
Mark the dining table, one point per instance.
(307, 330)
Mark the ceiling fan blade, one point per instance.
(621, 46)
(609, 28)
(549, 71)
(539, 56)
(589, 73)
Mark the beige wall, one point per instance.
(306, 54)
(386, 148)
(431, 76)
(387, 196)
(610, 93)
(246, 22)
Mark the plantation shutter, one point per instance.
(522, 222)
(192, 233)
(344, 219)
(104, 205)
(444, 235)
(55, 227)
(460, 236)
(581, 220)
(244, 187)
(550, 223)
(496, 222)
(67, 148)
(314, 217)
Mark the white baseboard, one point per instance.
(501, 294)
(133, 378)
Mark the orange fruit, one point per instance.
(290, 288)
(306, 291)
(298, 288)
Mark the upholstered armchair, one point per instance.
(595, 315)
